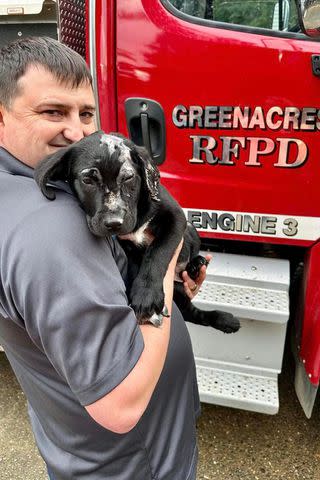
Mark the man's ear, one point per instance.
(53, 167)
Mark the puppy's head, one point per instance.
(111, 177)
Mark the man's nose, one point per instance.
(74, 131)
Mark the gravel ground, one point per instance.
(19, 458)
(233, 444)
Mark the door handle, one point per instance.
(146, 126)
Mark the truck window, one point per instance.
(277, 15)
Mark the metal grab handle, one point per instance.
(145, 132)
(146, 126)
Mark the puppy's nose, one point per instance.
(113, 223)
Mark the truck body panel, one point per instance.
(175, 62)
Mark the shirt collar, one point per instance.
(13, 166)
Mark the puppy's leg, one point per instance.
(220, 320)
(146, 295)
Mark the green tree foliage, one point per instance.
(254, 13)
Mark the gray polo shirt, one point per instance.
(71, 337)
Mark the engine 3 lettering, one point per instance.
(243, 223)
(228, 222)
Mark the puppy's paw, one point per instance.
(225, 322)
(146, 301)
(194, 266)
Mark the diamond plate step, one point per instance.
(232, 389)
(260, 272)
(241, 370)
(248, 287)
(245, 302)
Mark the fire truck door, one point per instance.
(224, 96)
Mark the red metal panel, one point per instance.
(105, 31)
(167, 59)
(310, 338)
(172, 61)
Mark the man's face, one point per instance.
(45, 116)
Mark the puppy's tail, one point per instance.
(223, 321)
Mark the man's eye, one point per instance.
(86, 118)
(87, 114)
(53, 113)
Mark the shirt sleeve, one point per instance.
(66, 287)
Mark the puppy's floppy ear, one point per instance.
(150, 173)
(119, 135)
(53, 167)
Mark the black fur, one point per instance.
(119, 189)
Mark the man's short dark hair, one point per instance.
(15, 58)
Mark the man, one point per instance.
(107, 398)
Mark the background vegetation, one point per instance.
(253, 13)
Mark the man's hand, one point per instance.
(192, 287)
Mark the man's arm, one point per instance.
(121, 409)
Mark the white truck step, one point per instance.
(238, 390)
(241, 370)
(248, 287)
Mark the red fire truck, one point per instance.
(225, 96)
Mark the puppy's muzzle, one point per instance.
(113, 223)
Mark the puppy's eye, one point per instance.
(88, 180)
(89, 176)
(128, 178)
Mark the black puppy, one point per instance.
(118, 187)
